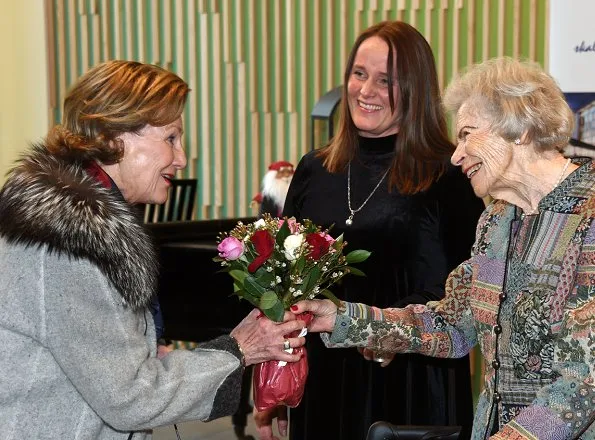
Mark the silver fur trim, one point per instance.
(48, 201)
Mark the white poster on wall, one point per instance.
(571, 61)
(572, 44)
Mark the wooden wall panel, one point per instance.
(257, 67)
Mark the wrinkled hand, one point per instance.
(371, 355)
(324, 311)
(264, 422)
(262, 339)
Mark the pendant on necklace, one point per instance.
(349, 220)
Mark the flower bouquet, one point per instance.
(274, 264)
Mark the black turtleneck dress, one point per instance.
(415, 240)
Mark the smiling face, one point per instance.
(484, 156)
(151, 159)
(368, 91)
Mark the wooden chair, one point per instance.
(179, 205)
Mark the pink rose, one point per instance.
(230, 248)
(294, 226)
(328, 238)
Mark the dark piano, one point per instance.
(196, 299)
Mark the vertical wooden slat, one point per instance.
(154, 34)
(501, 26)
(193, 107)
(276, 49)
(50, 42)
(456, 31)
(141, 32)
(84, 26)
(96, 23)
(61, 55)
(279, 144)
(267, 142)
(167, 46)
(289, 68)
(255, 152)
(532, 30)
(401, 7)
(128, 29)
(216, 108)
(264, 64)
(294, 149)
(74, 41)
(415, 4)
(516, 29)
(442, 42)
(329, 62)
(242, 141)
(205, 106)
(485, 49)
(316, 86)
(106, 35)
(252, 56)
(428, 11)
(471, 31)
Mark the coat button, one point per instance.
(497, 329)
(496, 364)
(502, 296)
(497, 397)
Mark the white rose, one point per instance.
(259, 224)
(292, 245)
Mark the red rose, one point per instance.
(263, 245)
(319, 245)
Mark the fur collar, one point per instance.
(50, 201)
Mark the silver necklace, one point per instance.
(349, 220)
(563, 172)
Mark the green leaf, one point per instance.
(354, 271)
(241, 293)
(330, 295)
(271, 306)
(252, 287)
(357, 256)
(283, 233)
(311, 279)
(264, 278)
(268, 300)
(238, 275)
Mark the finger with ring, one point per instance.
(286, 345)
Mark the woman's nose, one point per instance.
(458, 156)
(367, 88)
(180, 160)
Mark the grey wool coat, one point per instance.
(77, 271)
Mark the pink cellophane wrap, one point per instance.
(276, 384)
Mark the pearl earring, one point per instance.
(517, 141)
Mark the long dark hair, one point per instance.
(422, 147)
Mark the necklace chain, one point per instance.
(563, 172)
(352, 211)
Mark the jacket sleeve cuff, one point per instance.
(228, 394)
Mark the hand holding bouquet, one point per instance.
(274, 264)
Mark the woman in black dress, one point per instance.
(385, 182)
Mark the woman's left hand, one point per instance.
(383, 358)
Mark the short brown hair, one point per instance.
(422, 148)
(112, 98)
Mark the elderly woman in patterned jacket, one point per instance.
(78, 272)
(526, 295)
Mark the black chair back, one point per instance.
(179, 205)
(388, 431)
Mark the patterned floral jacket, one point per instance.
(537, 335)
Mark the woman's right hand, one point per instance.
(324, 311)
(263, 340)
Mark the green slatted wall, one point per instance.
(256, 67)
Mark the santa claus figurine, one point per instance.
(275, 184)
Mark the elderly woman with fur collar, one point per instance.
(78, 272)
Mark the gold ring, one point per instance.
(286, 345)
